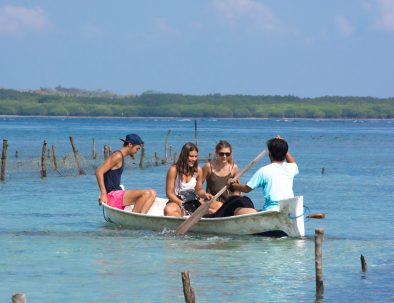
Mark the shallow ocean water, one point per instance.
(56, 246)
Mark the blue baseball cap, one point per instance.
(133, 139)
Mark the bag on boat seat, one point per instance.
(190, 200)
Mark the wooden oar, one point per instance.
(316, 216)
(202, 210)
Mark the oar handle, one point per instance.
(201, 211)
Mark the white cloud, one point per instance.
(164, 27)
(93, 30)
(15, 20)
(344, 26)
(250, 11)
(383, 12)
(386, 15)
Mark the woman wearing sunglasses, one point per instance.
(216, 173)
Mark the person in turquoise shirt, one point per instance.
(276, 178)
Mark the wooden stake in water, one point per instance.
(319, 234)
(106, 152)
(54, 157)
(166, 147)
(363, 264)
(142, 156)
(188, 291)
(76, 156)
(19, 298)
(43, 160)
(3, 159)
(175, 157)
(94, 149)
(195, 132)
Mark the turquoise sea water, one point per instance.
(56, 246)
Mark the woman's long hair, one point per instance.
(182, 165)
(225, 144)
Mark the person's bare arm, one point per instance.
(206, 170)
(239, 187)
(199, 190)
(235, 185)
(290, 158)
(234, 172)
(170, 186)
(108, 164)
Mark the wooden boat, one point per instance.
(288, 220)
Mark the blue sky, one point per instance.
(306, 48)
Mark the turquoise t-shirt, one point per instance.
(276, 181)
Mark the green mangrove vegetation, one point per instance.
(74, 102)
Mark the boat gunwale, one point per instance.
(233, 218)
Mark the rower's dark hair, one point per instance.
(224, 144)
(182, 166)
(278, 148)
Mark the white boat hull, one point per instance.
(288, 220)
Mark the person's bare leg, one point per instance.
(213, 208)
(172, 209)
(150, 199)
(244, 211)
(141, 198)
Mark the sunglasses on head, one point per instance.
(224, 154)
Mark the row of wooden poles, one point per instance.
(107, 152)
(190, 296)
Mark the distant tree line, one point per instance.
(71, 102)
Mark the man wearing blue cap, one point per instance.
(109, 179)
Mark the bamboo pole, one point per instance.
(3, 159)
(94, 149)
(319, 234)
(363, 264)
(76, 156)
(54, 157)
(142, 156)
(188, 290)
(54, 160)
(165, 147)
(19, 298)
(106, 152)
(43, 160)
(175, 155)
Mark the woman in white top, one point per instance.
(185, 175)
